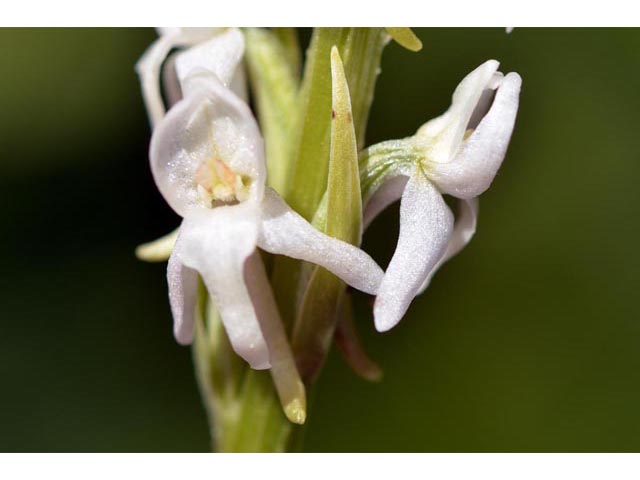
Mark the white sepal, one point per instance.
(285, 232)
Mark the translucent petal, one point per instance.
(217, 244)
(472, 170)
(183, 297)
(426, 225)
(285, 232)
(463, 231)
(210, 122)
(219, 55)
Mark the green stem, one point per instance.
(242, 405)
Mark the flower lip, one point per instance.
(208, 151)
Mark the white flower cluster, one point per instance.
(208, 161)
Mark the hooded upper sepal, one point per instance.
(477, 159)
(220, 55)
(211, 124)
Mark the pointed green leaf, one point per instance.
(361, 52)
(344, 202)
(316, 321)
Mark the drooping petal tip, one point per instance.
(426, 224)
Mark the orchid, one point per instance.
(207, 159)
(457, 153)
(219, 52)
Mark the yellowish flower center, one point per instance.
(219, 184)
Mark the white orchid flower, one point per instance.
(149, 66)
(220, 52)
(459, 154)
(207, 158)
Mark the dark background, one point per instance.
(527, 341)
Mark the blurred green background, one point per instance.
(529, 340)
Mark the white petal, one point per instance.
(220, 55)
(444, 134)
(183, 297)
(474, 167)
(217, 244)
(209, 122)
(148, 68)
(389, 192)
(426, 224)
(463, 231)
(285, 232)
